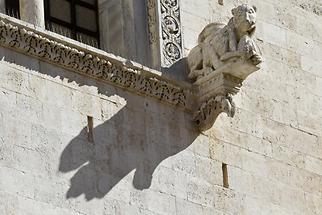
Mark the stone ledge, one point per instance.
(78, 57)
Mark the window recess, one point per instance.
(12, 8)
(76, 19)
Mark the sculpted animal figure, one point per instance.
(218, 43)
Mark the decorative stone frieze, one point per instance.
(222, 60)
(19, 36)
(165, 31)
(171, 32)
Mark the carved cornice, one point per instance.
(49, 47)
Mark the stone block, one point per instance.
(313, 164)
(193, 7)
(8, 203)
(119, 207)
(17, 182)
(184, 207)
(200, 146)
(208, 170)
(13, 78)
(183, 161)
(242, 140)
(228, 201)
(192, 22)
(160, 203)
(70, 122)
(170, 182)
(301, 44)
(86, 104)
(200, 192)
(287, 155)
(272, 34)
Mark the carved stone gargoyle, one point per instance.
(222, 60)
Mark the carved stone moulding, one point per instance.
(171, 32)
(55, 49)
(215, 92)
(164, 32)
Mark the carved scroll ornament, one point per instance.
(222, 60)
(171, 32)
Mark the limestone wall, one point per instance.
(273, 144)
(147, 157)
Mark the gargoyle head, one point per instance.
(244, 17)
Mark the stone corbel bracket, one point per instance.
(72, 55)
(222, 60)
(215, 91)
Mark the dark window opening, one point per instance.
(12, 8)
(76, 19)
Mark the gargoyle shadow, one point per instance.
(127, 141)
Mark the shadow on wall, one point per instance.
(125, 142)
(178, 71)
(138, 137)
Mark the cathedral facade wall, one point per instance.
(73, 144)
(273, 144)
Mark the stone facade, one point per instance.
(147, 156)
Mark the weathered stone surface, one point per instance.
(274, 132)
(147, 157)
(44, 113)
(224, 57)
